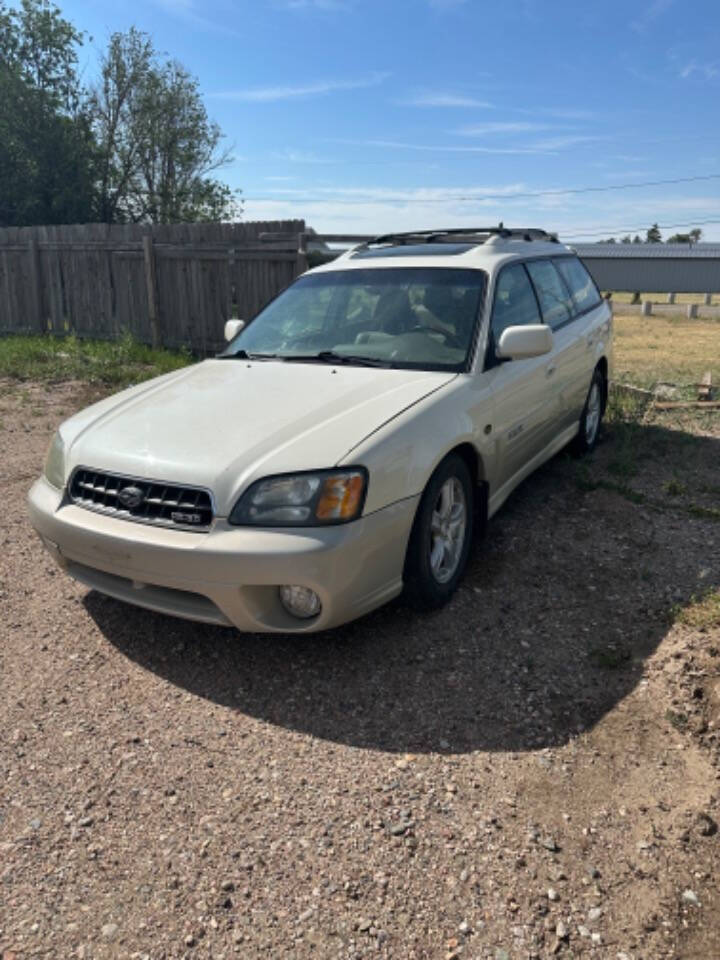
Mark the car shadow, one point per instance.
(566, 597)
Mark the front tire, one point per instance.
(441, 536)
(591, 416)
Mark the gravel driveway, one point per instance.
(531, 772)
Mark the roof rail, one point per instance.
(469, 234)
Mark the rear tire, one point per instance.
(441, 537)
(592, 415)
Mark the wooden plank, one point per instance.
(151, 288)
(688, 405)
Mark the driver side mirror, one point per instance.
(233, 328)
(519, 343)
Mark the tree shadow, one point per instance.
(564, 600)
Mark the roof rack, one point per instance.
(468, 234)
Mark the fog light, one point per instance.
(300, 601)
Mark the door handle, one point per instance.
(549, 371)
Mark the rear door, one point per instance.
(524, 404)
(566, 360)
(589, 313)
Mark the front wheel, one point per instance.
(591, 416)
(441, 536)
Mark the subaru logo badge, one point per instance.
(131, 497)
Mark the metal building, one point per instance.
(655, 267)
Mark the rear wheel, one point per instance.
(591, 416)
(441, 535)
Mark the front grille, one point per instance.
(145, 501)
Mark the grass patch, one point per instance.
(116, 364)
(702, 611)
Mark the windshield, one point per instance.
(409, 317)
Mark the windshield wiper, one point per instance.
(244, 355)
(329, 356)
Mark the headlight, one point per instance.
(303, 499)
(55, 462)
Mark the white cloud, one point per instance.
(706, 71)
(442, 147)
(553, 144)
(444, 100)
(320, 88)
(482, 129)
(301, 156)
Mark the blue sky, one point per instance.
(366, 116)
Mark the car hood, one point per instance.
(222, 424)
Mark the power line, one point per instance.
(473, 198)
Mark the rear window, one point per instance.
(582, 287)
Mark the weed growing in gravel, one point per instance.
(702, 612)
(116, 364)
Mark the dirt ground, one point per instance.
(532, 772)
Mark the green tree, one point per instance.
(636, 238)
(46, 149)
(653, 235)
(626, 239)
(156, 144)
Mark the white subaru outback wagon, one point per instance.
(344, 444)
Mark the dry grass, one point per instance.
(626, 297)
(650, 350)
(703, 612)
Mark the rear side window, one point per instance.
(555, 302)
(582, 287)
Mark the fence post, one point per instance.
(646, 308)
(36, 285)
(692, 311)
(302, 260)
(151, 285)
(708, 299)
(671, 298)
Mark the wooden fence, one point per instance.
(174, 285)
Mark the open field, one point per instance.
(624, 296)
(532, 772)
(650, 350)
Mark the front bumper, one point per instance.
(230, 575)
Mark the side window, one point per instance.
(515, 303)
(555, 302)
(582, 287)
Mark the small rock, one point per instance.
(583, 931)
(561, 931)
(593, 873)
(465, 927)
(35, 824)
(502, 954)
(228, 886)
(109, 931)
(549, 844)
(689, 896)
(189, 940)
(85, 822)
(305, 915)
(398, 829)
(364, 924)
(552, 894)
(594, 914)
(596, 938)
